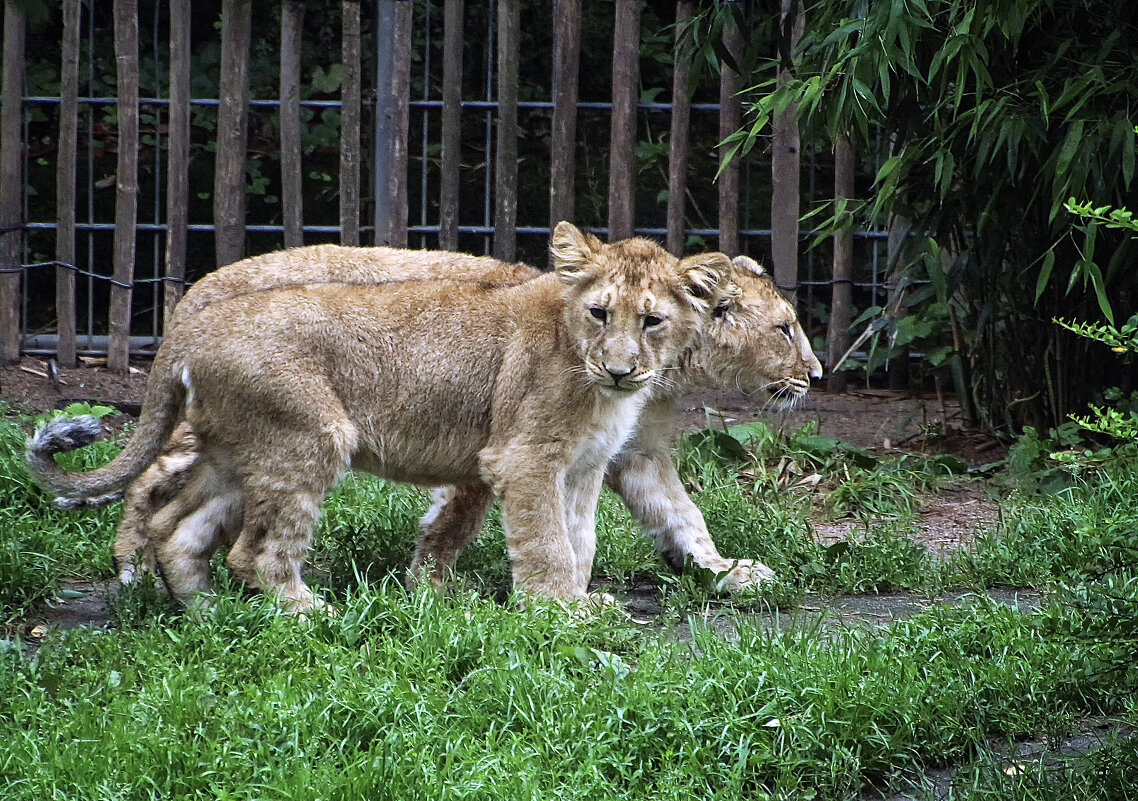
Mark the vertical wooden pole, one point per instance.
(622, 134)
(838, 336)
(232, 133)
(563, 139)
(678, 139)
(126, 184)
(292, 183)
(898, 250)
(730, 121)
(350, 122)
(451, 125)
(382, 143)
(506, 159)
(785, 161)
(65, 176)
(178, 161)
(11, 180)
(400, 123)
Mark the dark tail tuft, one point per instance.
(62, 434)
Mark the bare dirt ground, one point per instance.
(882, 422)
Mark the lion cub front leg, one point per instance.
(534, 517)
(650, 487)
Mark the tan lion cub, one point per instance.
(528, 388)
(753, 341)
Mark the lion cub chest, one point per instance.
(614, 423)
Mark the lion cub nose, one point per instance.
(617, 373)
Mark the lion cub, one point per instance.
(528, 388)
(754, 342)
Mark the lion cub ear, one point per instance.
(574, 252)
(745, 264)
(705, 276)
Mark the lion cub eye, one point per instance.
(651, 321)
(720, 310)
(785, 328)
(599, 313)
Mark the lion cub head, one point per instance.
(631, 307)
(754, 340)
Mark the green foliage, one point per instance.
(995, 114)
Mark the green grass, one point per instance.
(418, 696)
(463, 695)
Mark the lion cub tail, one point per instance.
(163, 407)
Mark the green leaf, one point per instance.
(1070, 145)
(751, 433)
(1044, 274)
(1128, 159)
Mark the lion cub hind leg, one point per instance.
(286, 475)
(452, 523)
(159, 486)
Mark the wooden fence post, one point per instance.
(838, 335)
(622, 133)
(400, 122)
(11, 181)
(897, 369)
(65, 175)
(126, 184)
(730, 121)
(678, 138)
(292, 180)
(785, 166)
(506, 158)
(232, 133)
(350, 123)
(563, 138)
(451, 125)
(178, 161)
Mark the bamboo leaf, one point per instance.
(1044, 274)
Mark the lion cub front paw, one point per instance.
(745, 574)
(736, 575)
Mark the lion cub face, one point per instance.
(756, 341)
(631, 307)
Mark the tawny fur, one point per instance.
(754, 341)
(528, 389)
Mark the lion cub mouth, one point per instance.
(620, 385)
